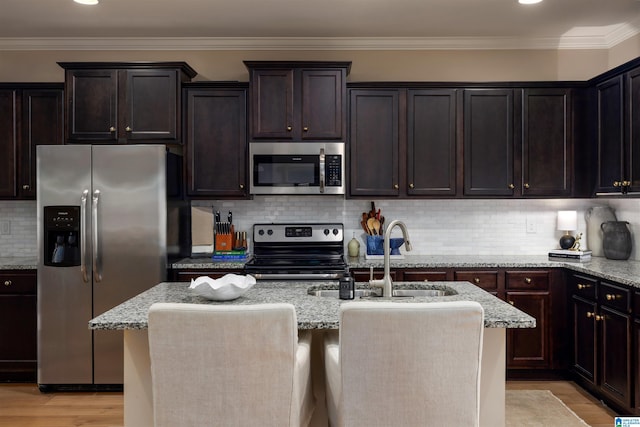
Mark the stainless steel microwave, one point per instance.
(297, 167)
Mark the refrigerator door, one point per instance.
(64, 297)
(129, 242)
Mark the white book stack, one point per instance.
(569, 255)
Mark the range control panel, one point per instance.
(310, 233)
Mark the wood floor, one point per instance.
(22, 405)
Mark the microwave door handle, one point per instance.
(96, 272)
(322, 170)
(83, 232)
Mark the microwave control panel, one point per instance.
(333, 170)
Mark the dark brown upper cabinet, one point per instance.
(518, 142)
(402, 142)
(297, 101)
(216, 140)
(374, 142)
(489, 142)
(31, 114)
(124, 102)
(618, 133)
(547, 142)
(431, 142)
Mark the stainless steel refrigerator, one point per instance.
(102, 239)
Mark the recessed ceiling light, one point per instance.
(89, 2)
(529, 1)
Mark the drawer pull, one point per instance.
(426, 280)
(581, 286)
(511, 302)
(527, 280)
(612, 297)
(590, 314)
(599, 318)
(7, 282)
(476, 280)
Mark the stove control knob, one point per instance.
(270, 232)
(261, 232)
(326, 231)
(335, 231)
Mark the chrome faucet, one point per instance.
(385, 283)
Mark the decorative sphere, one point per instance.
(567, 241)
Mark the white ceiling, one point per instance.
(316, 24)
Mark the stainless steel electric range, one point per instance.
(298, 252)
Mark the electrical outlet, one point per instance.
(532, 226)
(5, 227)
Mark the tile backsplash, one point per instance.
(436, 227)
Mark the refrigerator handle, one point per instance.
(83, 233)
(96, 272)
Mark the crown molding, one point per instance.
(586, 38)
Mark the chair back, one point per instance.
(216, 365)
(410, 364)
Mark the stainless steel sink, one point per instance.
(373, 293)
(420, 293)
(360, 293)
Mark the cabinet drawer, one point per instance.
(18, 283)
(425, 276)
(614, 296)
(538, 280)
(487, 280)
(636, 307)
(584, 287)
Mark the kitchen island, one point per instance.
(315, 313)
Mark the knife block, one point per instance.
(224, 241)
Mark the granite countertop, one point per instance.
(313, 312)
(625, 272)
(18, 263)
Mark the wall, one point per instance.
(367, 65)
(436, 227)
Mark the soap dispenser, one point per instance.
(354, 246)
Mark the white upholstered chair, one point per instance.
(405, 364)
(231, 366)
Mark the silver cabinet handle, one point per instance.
(322, 170)
(83, 239)
(96, 271)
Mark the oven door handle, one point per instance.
(322, 170)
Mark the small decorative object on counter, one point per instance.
(375, 245)
(616, 240)
(595, 216)
(567, 221)
(354, 247)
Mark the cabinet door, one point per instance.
(42, 124)
(92, 105)
(529, 348)
(374, 142)
(636, 362)
(151, 111)
(633, 150)
(585, 339)
(615, 380)
(8, 142)
(18, 326)
(610, 123)
(216, 143)
(272, 104)
(323, 104)
(431, 146)
(488, 142)
(547, 146)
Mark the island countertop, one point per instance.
(312, 312)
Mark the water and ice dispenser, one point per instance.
(61, 236)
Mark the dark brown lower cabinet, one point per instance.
(529, 348)
(18, 326)
(603, 337)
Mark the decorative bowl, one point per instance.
(226, 288)
(394, 245)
